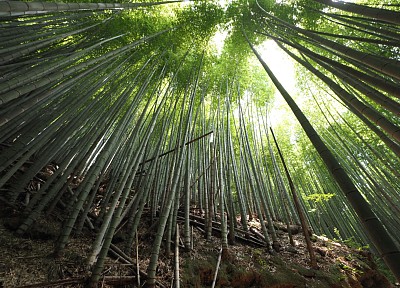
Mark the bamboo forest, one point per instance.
(231, 143)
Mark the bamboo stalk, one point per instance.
(174, 149)
(303, 222)
(177, 282)
(217, 268)
(137, 259)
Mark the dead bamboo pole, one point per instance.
(304, 225)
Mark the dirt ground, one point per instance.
(28, 262)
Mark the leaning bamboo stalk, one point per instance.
(376, 231)
(224, 232)
(125, 185)
(231, 214)
(109, 148)
(179, 160)
(375, 13)
(300, 212)
(176, 148)
(17, 8)
(390, 67)
(356, 105)
(236, 178)
(361, 78)
(10, 91)
(40, 71)
(283, 195)
(136, 213)
(25, 49)
(217, 268)
(381, 32)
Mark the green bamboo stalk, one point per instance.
(377, 233)
(17, 8)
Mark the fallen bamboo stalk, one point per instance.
(120, 253)
(249, 239)
(109, 280)
(76, 280)
(258, 234)
(122, 256)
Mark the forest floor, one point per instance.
(27, 261)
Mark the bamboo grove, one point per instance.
(137, 113)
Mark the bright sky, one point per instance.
(218, 40)
(282, 65)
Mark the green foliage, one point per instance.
(199, 22)
(319, 197)
(351, 242)
(259, 256)
(337, 233)
(382, 267)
